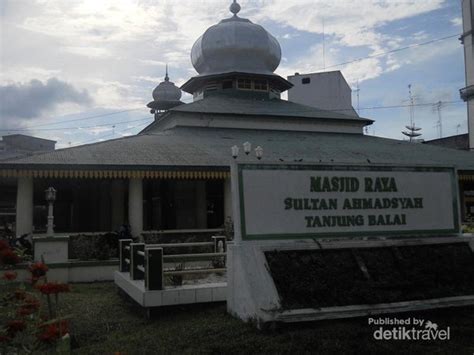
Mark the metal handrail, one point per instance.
(201, 256)
(178, 245)
(194, 271)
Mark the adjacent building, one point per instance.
(459, 141)
(467, 38)
(327, 90)
(175, 173)
(17, 145)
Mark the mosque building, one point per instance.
(175, 173)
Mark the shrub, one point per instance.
(467, 228)
(87, 247)
(27, 327)
(177, 280)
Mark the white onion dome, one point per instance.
(166, 91)
(236, 45)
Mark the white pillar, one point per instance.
(117, 204)
(201, 205)
(135, 206)
(228, 199)
(467, 19)
(24, 206)
(470, 115)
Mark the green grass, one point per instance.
(106, 323)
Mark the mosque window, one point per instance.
(306, 80)
(245, 84)
(210, 87)
(261, 85)
(227, 84)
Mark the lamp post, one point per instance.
(50, 196)
(235, 151)
(259, 152)
(247, 147)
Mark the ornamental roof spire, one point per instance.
(234, 8)
(167, 78)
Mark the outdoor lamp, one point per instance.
(235, 151)
(247, 147)
(259, 152)
(50, 194)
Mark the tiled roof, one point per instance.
(210, 147)
(226, 104)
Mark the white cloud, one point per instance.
(355, 23)
(348, 25)
(457, 21)
(94, 52)
(117, 49)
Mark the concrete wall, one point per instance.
(327, 91)
(460, 142)
(263, 123)
(20, 142)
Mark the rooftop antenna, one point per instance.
(413, 131)
(438, 107)
(324, 48)
(357, 91)
(358, 102)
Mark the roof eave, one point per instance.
(195, 82)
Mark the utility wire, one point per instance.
(286, 111)
(90, 117)
(108, 135)
(391, 51)
(66, 128)
(330, 66)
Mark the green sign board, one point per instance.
(309, 201)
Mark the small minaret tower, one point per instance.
(165, 96)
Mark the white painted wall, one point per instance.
(327, 91)
(468, 14)
(263, 123)
(227, 199)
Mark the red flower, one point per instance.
(4, 338)
(20, 295)
(9, 275)
(29, 306)
(53, 332)
(37, 270)
(4, 245)
(15, 326)
(9, 257)
(53, 288)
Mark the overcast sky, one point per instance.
(70, 60)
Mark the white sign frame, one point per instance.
(239, 200)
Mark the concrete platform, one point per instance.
(310, 314)
(187, 294)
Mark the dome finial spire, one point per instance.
(235, 8)
(166, 76)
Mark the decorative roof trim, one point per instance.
(115, 174)
(466, 177)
